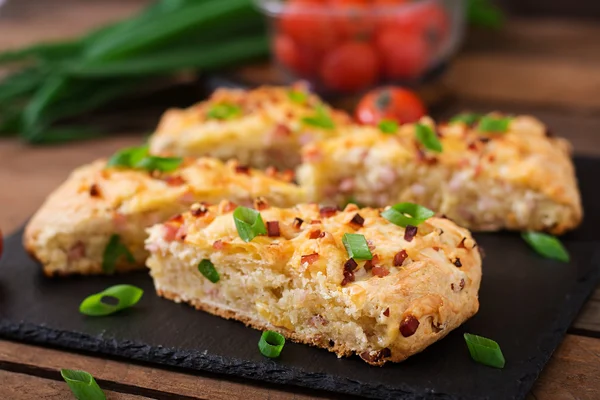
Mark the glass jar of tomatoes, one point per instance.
(348, 46)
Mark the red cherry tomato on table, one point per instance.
(404, 55)
(394, 103)
(349, 67)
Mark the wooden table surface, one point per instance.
(549, 68)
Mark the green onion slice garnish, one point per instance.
(128, 157)
(494, 124)
(352, 200)
(139, 158)
(297, 96)
(388, 126)
(321, 119)
(163, 164)
(120, 296)
(484, 351)
(207, 269)
(428, 138)
(271, 343)
(467, 118)
(249, 223)
(112, 252)
(357, 246)
(82, 384)
(404, 214)
(546, 245)
(223, 111)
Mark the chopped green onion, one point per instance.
(321, 119)
(124, 296)
(546, 245)
(207, 269)
(388, 126)
(249, 223)
(352, 200)
(128, 157)
(112, 252)
(139, 158)
(271, 343)
(357, 247)
(484, 351)
(428, 138)
(467, 118)
(224, 111)
(404, 214)
(163, 164)
(297, 96)
(494, 124)
(82, 384)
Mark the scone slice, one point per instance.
(518, 179)
(95, 221)
(261, 127)
(300, 281)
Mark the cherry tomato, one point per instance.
(427, 19)
(303, 61)
(392, 102)
(307, 27)
(404, 55)
(389, 2)
(350, 67)
(352, 19)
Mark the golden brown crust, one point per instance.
(521, 179)
(267, 130)
(70, 231)
(420, 285)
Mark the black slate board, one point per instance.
(527, 303)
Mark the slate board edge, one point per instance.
(579, 294)
(194, 360)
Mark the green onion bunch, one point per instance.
(54, 81)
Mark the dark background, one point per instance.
(564, 8)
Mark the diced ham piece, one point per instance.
(175, 180)
(187, 197)
(309, 259)
(170, 232)
(380, 271)
(76, 252)
(312, 154)
(305, 139)
(409, 326)
(346, 185)
(120, 221)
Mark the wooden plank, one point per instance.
(567, 375)
(543, 81)
(589, 317)
(15, 386)
(24, 22)
(164, 381)
(572, 371)
(36, 171)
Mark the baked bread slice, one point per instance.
(300, 281)
(520, 179)
(260, 128)
(71, 232)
